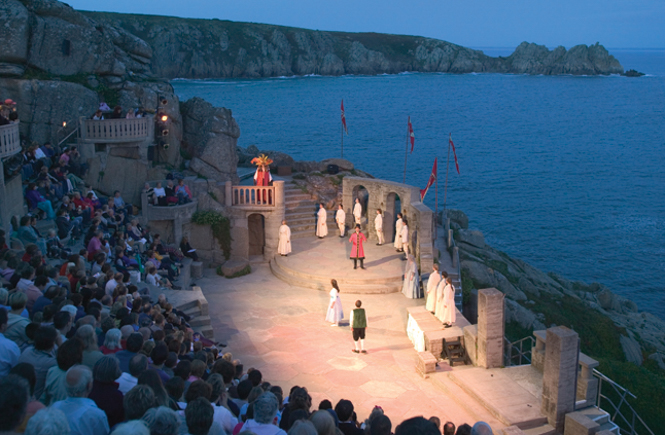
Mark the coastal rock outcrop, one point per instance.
(210, 136)
(530, 58)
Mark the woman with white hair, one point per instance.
(91, 353)
(112, 342)
(265, 415)
(134, 427)
(48, 421)
(162, 421)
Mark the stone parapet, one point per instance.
(116, 130)
(491, 327)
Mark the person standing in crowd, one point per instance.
(357, 250)
(432, 283)
(378, 226)
(321, 225)
(398, 232)
(357, 211)
(358, 324)
(284, 246)
(335, 313)
(340, 218)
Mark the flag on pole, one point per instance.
(412, 137)
(450, 140)
(432, 179)
(344, 119)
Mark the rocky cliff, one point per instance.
(196, 48)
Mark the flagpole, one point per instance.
(343, 140)
(436, 194)
(445, 190)
(406, 153)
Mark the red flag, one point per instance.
(344, 119)
(450, 140)
(411, 135)
(432, 179)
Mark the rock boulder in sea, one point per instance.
(530, 58)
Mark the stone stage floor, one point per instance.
(280, 329)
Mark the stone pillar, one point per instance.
(560, 375)
(144, 208)
(228, 193)
(177, 229)
(239, 237)
(273, 221)
(490, 328)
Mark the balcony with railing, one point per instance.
(115, 130)
(10, 142)
(255, 197)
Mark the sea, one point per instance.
(564, 172)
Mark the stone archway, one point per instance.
(362, 194)
(256, 233)
(393, 206)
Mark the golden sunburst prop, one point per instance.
(261, 160)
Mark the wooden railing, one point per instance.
(10, 142)
(255, 196)
(115, 130)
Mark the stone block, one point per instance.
(471, 342)
(513, 430)
(490, 328)
(579, 424)
(434, 341)
(426, 363)
(197, 269)
(234, 266)
(560, 375)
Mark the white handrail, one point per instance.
(114, 130)
(10, 141)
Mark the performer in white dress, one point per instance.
(398, 232)
(321, 225)
(411, 286)
(335, 313)
(449, 303)
(284, 245)
(340, 218)
(378, 226)
(404, 236)
(357, 211)
(438, 310)
(432, 283)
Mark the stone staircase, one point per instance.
(300, 213)
(197, 310)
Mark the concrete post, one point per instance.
(560, 375)
(490, 328)
(228, 194)
(455, 256)
(450, 238)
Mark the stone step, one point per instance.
(299, 234)
(609, 427)
(303, 209)
(199, 321)
(297, 195)
(206, 331)
(544, 429)
(189, 305)
(295, 205)
(192, 311)
(598, 415)
(354, 285)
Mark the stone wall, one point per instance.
(382, 195)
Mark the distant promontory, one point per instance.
(198, 48)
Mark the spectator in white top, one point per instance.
(137, 365)
(113, 283)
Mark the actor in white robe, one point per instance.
(378, 226)
(398, 232)
(411, 286)
(438, 309)
(340, 218)
(432, 284)
(404, 236)
(449, 312)
(321, 222)
(284, 245)
(357, 211)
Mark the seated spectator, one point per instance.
(16, 323)
(199, 416)
(83, 415)
(51, 293)
(222, 415)
(96, 246)
(159, 195)
(9, 351)
(14, 397)
(132, 348)
(55, 247)
(111, 342)
(380, 425)
(105, 391)
(153, 278)
(27, 372)
(417, 425)
(481, 428)
(119, 204)
(183, 193)
(62, 322)
(91, 353)
(175, 388)
(48, 150)
(169, 190)
(187, 249)
(137, 401)
(162, 421)
(48, 421)
(137, 365)
(449, 428)
(41, 355)
(265, 416)
(66, 226)
(117, 113)
(70, 353)
(82, 206)
(98, 115)
(158, 357)
(324, 423)
(123, 262)
(344, 411)
(26, 234)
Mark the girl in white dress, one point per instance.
(449, 303)
(321, 225)
(411, 287)
(284, 245)
(335, 313)
(398, 232)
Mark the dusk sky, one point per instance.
(474, 23)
